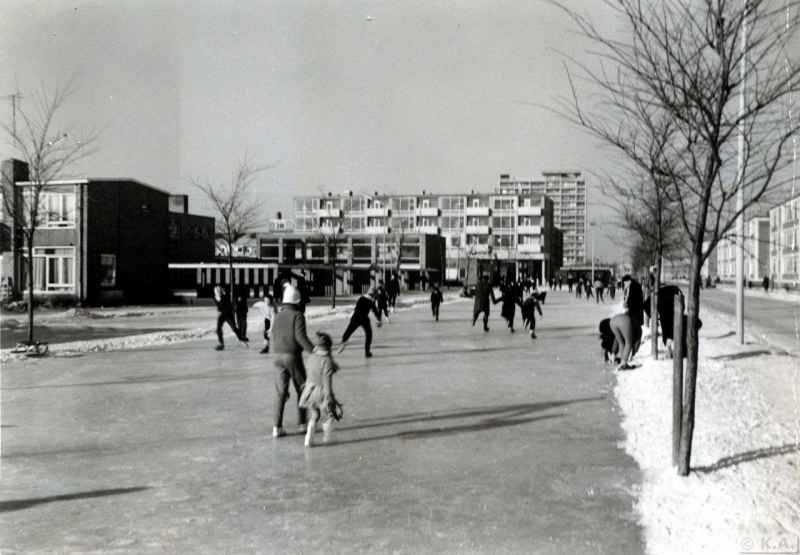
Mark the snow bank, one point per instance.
(743, 494)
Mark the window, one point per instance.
(53, 269)
(504, 204)
(108, 270)
(55, 209)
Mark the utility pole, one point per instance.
(740, 231)
(14, 98)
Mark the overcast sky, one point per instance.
(388, 96)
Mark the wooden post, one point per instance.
(677, 378)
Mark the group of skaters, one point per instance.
(522, 293)
(594, 289)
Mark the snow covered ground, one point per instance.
(743, 494)
(183, 319)
(777, 294)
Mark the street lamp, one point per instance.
(592, 224)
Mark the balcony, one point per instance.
(529, 247)
(378, 212)
(428, 211)
(477, 210)
(529, 229)
(529, 211)
(477, 230)
(376, 229)
(428, 229)
(329, 212)
(475, 249)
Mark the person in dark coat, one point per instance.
(579, 288)
(289, 340)
(241, 314)
(393, 290)
(436, 300)
(607, 340)
(612, 288)
(382, 300)
(528, 312)
(510, 297)
(483, 296)
(225, 316)
(665, 306)
(765, 284)
(360, 319)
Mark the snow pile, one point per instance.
(134, 341)
(743, 494)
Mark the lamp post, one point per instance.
(740, 230)
(591, 225)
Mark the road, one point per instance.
(778, 320)
(453, 441)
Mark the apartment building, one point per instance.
(784, 226)
(567, 190)
(511, 233)
(102, 240)
(756, 252)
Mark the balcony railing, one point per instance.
(523, 247)
(477, 230)
(428, 229)
(329, 212)
(477, 210)
(427, 211)
(529, 211)
(376, 229)
(529, 229)
(378, 212)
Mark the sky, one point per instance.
(396, 97)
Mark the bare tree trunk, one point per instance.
(692, 348)
(230, 269)
(29, 263)
(654, 307)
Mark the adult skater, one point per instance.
(598, 290)
(393, 290)
(579, 288)
(528, 312)
(225, 316)
(509, 298)
(360, 319)
(289, 340)
(436, 300)
(483, 295)
(382, 300)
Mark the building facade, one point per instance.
(756, 252)
(784, 225)
(567, 190)
(102, 240)
(514, 232)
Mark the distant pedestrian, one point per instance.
(765, 284)
(360, 319)
(225, 316)
(528, 312)
(382, 300)
(241, 313)
(393, 290)
(560, 283)
(266, 308)
(483, 294)
(587, 288)
(289, 341)
(436, 301)
(612, 288)
(423, 280)
(579, 288)
(317, 396)
(598, 291)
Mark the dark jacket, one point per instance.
(483, 294)
(436, 297)
(510, 299)
(224, 305)
(289, 332)
(634, 302)
(364, 305)
(529, 306)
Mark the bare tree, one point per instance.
(237, 212)
(688, 61)
(49, 150)
(330, 235)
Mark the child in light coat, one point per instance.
(317, 395)
(266, 308)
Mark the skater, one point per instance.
(612, 288)
(360, 319)
(579, 288)
(393, 290)
(266, 307)
(528, 313)
(423, 280)
(241, 313)
(436, 300)
(765, 284)
(483, 293)
(509, 298)
(317, 397)
(382, 300)
(598, 291)
(289, 342)
(225, 310)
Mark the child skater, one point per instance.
(436, 300)
(266, 307)
(529, 308)
(317, 396)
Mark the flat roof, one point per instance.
(86, 180)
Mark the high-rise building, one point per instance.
(567, 190)
(512, 233)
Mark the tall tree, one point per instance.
(237, 212)
(692, 61)
(49, 150)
